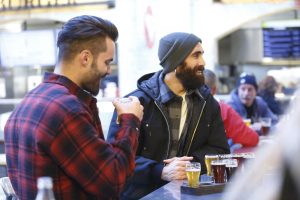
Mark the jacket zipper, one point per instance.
(196, 128)
(167, 126)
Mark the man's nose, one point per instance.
(247, 92)
(201, 61)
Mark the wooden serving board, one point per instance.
(204, 188)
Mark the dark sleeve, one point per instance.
(216, 142)
(146, 170)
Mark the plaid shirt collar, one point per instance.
(71, 86)
(167, 95)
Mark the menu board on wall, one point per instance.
(281, 43)
(28, 48)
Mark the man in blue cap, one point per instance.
(182, 120)
(244, 100)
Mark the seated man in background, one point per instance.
(275, 172)
(182, 121)
(244, 100)
(236, 130)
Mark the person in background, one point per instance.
(182, 121)
(275, 172)
(237, 132)
(267, 89)
(56, 131)
(244, 100)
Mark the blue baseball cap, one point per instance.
(247, 79)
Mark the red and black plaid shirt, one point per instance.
(56, 131)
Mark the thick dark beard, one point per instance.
(90, 82)
(188, 77)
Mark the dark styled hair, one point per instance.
(268, 85)
(84, 32)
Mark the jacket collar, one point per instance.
(153, 85)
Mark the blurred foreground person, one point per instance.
(236, 130)
(275, 172)
(56, 131)
(182, 120)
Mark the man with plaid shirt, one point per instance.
(56, 131)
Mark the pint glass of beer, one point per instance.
(265, 125)
(193, 170)
(218, 168)
(247, 122)
(230, 167)
(208, 159)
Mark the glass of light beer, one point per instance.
(247, 122)
(208, 159)
(193, 170)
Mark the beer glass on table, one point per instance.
(247, 122)
(208, 159)
(218, 171)
(193, 170)
(230, 167)
(265, 125)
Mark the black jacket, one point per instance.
(154, 141)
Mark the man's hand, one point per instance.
(129, 105)
(175, 168)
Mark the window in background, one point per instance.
(2, 88)
(28, 48)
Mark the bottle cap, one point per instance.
(44, 182)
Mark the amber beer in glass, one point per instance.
(230, 167)
(193, 170)
(265, 125)
(218, 171)
(208, 159)
(265, 130)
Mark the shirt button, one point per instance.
(137, 129)
(147, 125)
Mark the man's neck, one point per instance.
(67, 70)
(174, 84)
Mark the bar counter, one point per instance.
(171, 191)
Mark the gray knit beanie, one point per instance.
(174, 48)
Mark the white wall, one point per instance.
(208, 20)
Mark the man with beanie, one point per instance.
(181, 122)
(244, 100)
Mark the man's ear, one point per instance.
(85, 57)
(214, 90)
